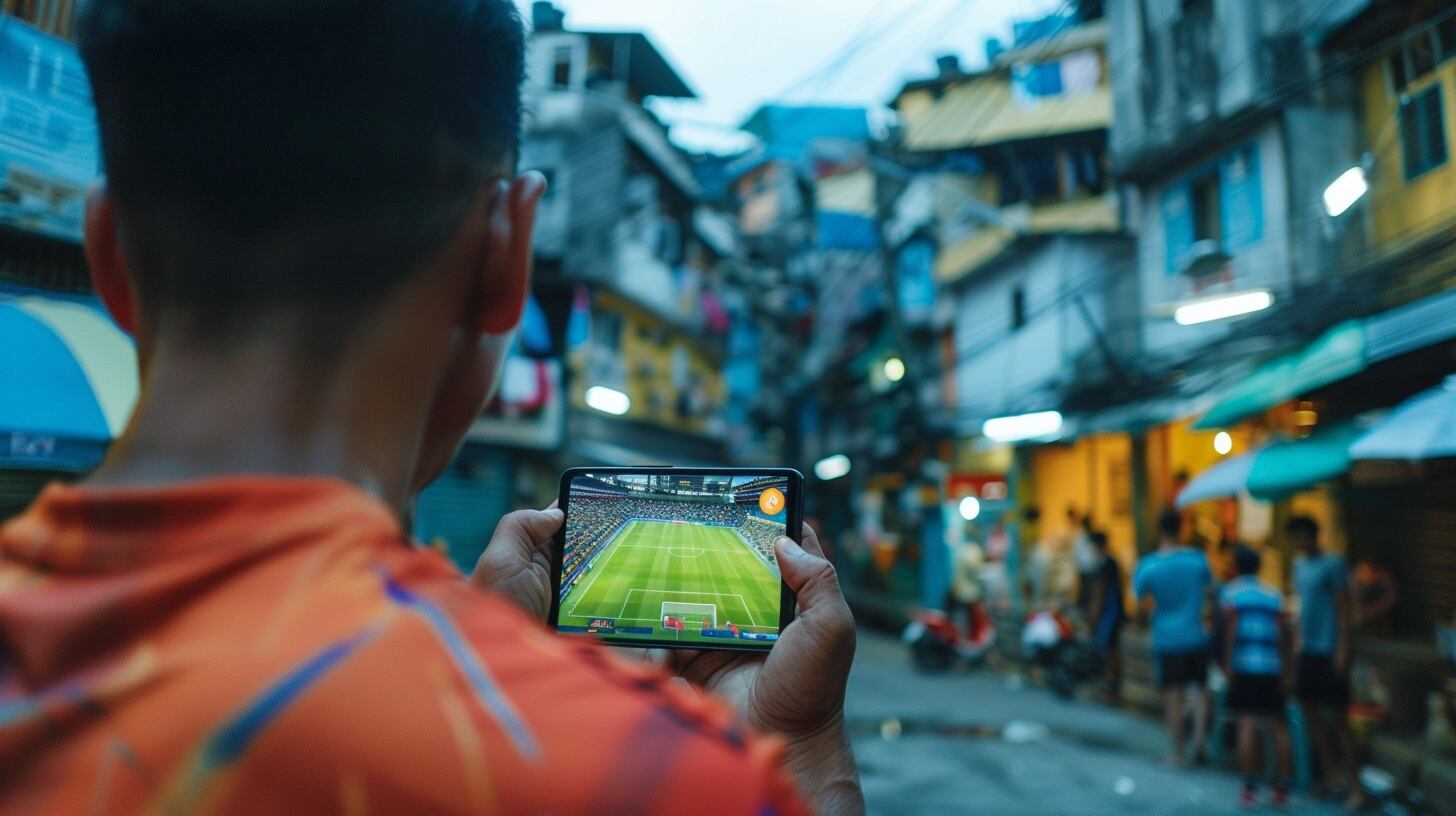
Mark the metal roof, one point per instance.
(648, 70)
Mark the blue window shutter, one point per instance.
(1177, 224)
(1241, 199)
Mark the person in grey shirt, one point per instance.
(1322, 668)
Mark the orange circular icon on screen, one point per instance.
(771, 501)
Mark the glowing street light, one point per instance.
(1223, 307)
(894, 369)
(1022, 426)
(608, 400)
(832, 467)
(970, 508)
(1223, 443)
(1349, 187)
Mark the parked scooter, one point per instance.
(1049, 642)
(937, 641)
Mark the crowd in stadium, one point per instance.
(749, 491)
(761, 532)
(597, 510)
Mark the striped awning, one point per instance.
(68, 381)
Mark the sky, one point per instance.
(738, 54)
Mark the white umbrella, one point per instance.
(1422, 427)
(1227, 478)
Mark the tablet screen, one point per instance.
(674, 558)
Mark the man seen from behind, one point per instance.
(1174, 583)
(1322, 668)
(312, 226)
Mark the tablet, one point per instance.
(675, 557)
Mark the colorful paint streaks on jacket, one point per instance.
(252, 645)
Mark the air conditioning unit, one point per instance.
(1204, 259)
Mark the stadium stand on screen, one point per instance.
(673, 557)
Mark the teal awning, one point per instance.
(1288, 467)
(1277, 471)
(1337, 354)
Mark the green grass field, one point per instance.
(706, 576)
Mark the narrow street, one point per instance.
(984, 743)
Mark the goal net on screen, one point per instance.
(703, 614)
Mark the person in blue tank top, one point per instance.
(1174, 584)
(1256, 659)
(1322, 668)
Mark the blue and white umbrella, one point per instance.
(1277, 470)
(1422, 427)
(68, 381)
(1227, 478)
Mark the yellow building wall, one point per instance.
(1091, 476)
(1403, 209)
(648, 347)
(959, 119)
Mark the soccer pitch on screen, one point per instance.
(676, 581)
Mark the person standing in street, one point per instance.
(1173, 584)
(966, 590)
(1256, 659)
(1322, 670)
(1088, 560)
(1107, 613)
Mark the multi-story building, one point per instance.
(1227, 129)
(69, 374)
(1400, 58)
(1011, 210)
(808, 201)
(622, 355)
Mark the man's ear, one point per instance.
(109, 275)
(505, 273)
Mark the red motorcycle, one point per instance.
(937, 641)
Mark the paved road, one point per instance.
(937, 744)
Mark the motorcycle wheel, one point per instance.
(929, 654)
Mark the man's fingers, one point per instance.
(809, 540)
(810, 576)
(534, 527)
(821, 602)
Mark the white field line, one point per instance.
(584, 590)
(740, 626)
(746, 607)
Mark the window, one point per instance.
(1446, 33)
(561, 58)
(1422, 51)
(1203, 193)
(1018, 308)
(1398, 77)
(606, 329)
(1043, 177)
(1421, 55)
(669, 241)
(52, 16)
(1422, 132)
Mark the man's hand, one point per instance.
(517, 562)
(797, 690)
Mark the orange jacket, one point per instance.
(271, 645)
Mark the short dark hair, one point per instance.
(304, 152)
(1170, 522)
(1099, 540)
(1302, 525)
(1247, 560)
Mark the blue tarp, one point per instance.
(49, 149)
(839, 230)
